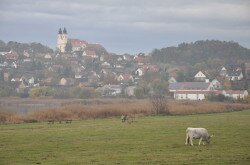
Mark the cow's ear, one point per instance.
(212, 135)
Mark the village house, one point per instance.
(111, 90)
(48, 57)
(12, 56)
(216, 85)
(223, 72)
(4, 51)
(127, 57)
(77, 45)
(130, 91)
(125, 78)
(22, 88)
(247, 73)
(66, 82)
(26, 54)
(147, 68)
(190, 95)
(172, 80)
(196, 86)
(200, 76)
(140, 59)
(89, 54)
(190, 90)
(199, 90)
(105, 65)
(235, 75)
(118, 66)
(104, 57)
(201, 95)
(141, 71)
(235, 94)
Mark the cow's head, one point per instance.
(209, 138)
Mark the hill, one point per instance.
(203, 51)
(32, 48)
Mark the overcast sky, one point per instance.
(122, 26)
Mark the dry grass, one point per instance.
(192, 107)
(113, 108)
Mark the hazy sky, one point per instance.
(130, 26)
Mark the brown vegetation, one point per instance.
(104, 109)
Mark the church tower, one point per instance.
(62, 39)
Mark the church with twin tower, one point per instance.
(62, 39)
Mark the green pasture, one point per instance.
(148, 140)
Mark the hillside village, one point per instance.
(78, 69)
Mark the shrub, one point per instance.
(6, 90)
(247, 99)
(41, 92)
(219, 97)
(160, 104)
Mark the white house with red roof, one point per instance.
(12, 55)
(89, 54)
(199, 90)
(78, 45)
(125, 77)
(147, 68)
(141, 71)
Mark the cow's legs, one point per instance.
(187, 139)
(200, 141)
(191, 141)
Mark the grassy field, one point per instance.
(148, 140)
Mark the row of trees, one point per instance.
(74, 92)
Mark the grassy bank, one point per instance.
(149, 140)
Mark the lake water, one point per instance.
(26, 106)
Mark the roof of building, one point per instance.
(60, 31)
(90, 53)
(77, 42)
(64, 31)
(189, 86)
(200, 74)
(230, 92)
(96, 45)
(12, 55)
(234, 73)
(197, 92)
(234, 92)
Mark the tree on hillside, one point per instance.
(2, 44)
(180, 76)
(31, 48)
(68, 47)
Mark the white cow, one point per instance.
(197, 133)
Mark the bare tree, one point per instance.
(160, 104)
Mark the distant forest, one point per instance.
(32, 48)
(209, 51)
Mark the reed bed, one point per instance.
(115, 108)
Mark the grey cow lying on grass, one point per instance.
(126, 118)
(197, 133)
